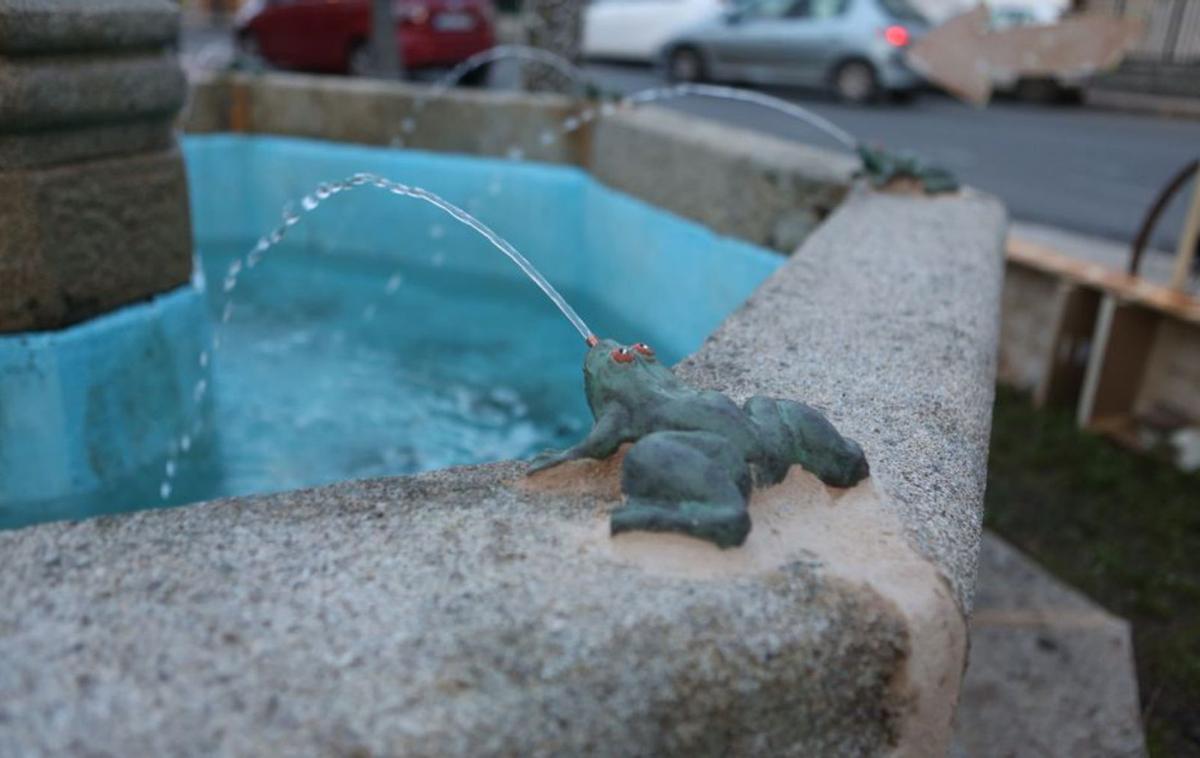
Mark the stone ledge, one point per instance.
(752, 186)
(474, 611)
(41, 93)
(84, 238)
(37, 27)
(54, 147)
(373, 112)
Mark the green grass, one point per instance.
(1123, 528)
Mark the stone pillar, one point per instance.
(93, 197)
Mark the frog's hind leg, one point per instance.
(686, 482)
(791, 432)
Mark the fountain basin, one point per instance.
(92, 408)
(380, 338)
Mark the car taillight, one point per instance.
(896, 36)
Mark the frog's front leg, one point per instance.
(606, 436)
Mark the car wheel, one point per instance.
(1041, 90)
(685, 65)
(248, 53)
(359, 62)
(476, 77)
(855, 82)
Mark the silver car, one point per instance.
(854, 47)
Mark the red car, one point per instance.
(330, 36)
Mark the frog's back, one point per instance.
(707, 411)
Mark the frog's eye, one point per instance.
(644, 349)
(622, 355)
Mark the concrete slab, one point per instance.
(1050, 672)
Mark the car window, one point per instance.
(820, 9)
(901, 10)
(773, 8)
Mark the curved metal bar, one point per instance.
(1156, 210)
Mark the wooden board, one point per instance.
(1127, 288)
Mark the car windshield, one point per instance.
(902, 10)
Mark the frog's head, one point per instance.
(612, 371)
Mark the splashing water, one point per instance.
(715, 92)
(581, 81)
(523, 53)
(291, 217)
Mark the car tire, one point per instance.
(685, 64)
(248, 53)
(1040, 90)
(359, 61)
(477, 77)
(855, 81)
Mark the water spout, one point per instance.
(659, 94)
(517, 52)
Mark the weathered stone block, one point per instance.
(49, 147)
(43, 26)
(747, 185)
(40, 93)
(85, 238)
(374, 112)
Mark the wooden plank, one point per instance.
(1133, 289)
(1076, 311)
(1123, 340)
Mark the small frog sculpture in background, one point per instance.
(882, 167)
(696, 454)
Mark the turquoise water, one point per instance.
(383, 338)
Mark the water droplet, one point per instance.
(323, 191)
(170, 469)
(409, 125)
(495, 186)
(216, 342)
(570, 124)
(253, 259)
(227, 313)
(230, 283)
(369, 313)
(437, 231)
(185, 443)
(309, 202)
(262, 246)
(393, 283)
(276, 236)
(235, 268)
(587, 114)
(288, 211)
(547, 137)
(438, 259)
(515, 153)
(203, 359)
(198, 392)
(164, 491)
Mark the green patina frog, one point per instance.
(696, 453)
(882, 167)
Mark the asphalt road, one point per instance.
(1077, 168)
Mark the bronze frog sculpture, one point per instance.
(696, 454)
